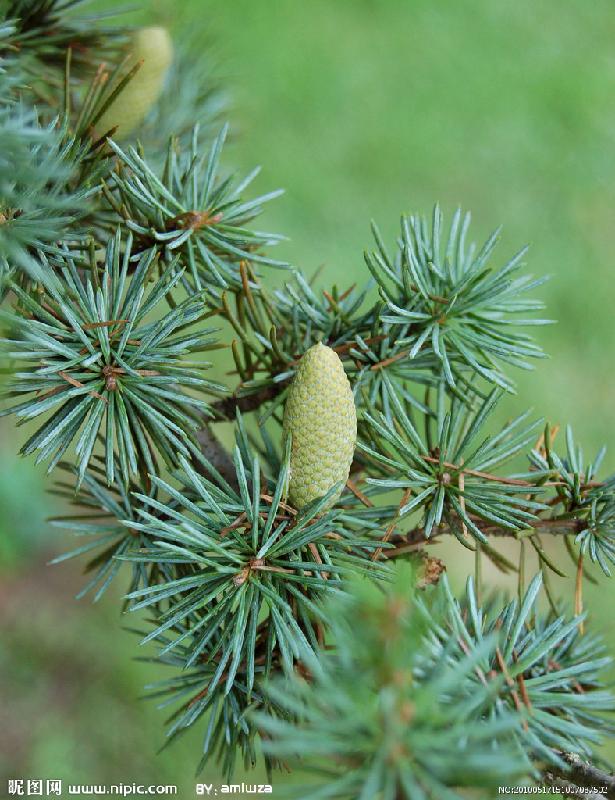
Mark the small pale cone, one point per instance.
(320, 416)
(153, 46)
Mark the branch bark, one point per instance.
(416, 536)
(217, 455)
(226, 408)
(582, 779)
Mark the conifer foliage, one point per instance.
(286, 579)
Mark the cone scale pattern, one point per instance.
(320, 416)
(153, 46)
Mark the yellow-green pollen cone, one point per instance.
(321, 418)
(153, 46)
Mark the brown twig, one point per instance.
(193, 220)
(499, 479)
(578, 593)
(391, 360)
(509, 682)
(358, 493)
(78, 385)
(389, 531)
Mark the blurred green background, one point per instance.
(360, 109)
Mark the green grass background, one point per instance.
(361, 109)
